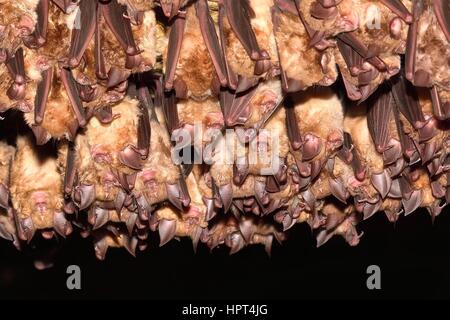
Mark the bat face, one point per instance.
(17, 22)
(252, 108)
(106, 152)
(206, 114)
(36, 192)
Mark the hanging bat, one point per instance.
(418, 122)
(224, 231)
(113, 236)
(335, 17)
(248, 42)
(250, 110)
(340, 220)
(301, 65)
(197, 118)
(52, 89)
(17, 23)
(314, 140)
(36, 192)
(428, 45)
(190, 222)
(250, 51)
(7, 224)
(372, 181)
(194, 63)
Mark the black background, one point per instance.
(413, 254)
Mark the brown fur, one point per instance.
(433, 54)
(320, 112)
(237, 57)
(11, 14)
(6, 157)
(112, 138)
(194, 66)
(34, 171)
(159, 157)
(298, 60)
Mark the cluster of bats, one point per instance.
(357, 91)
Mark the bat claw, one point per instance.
(167, 230)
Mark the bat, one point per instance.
(36, 192)
(301, 64)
